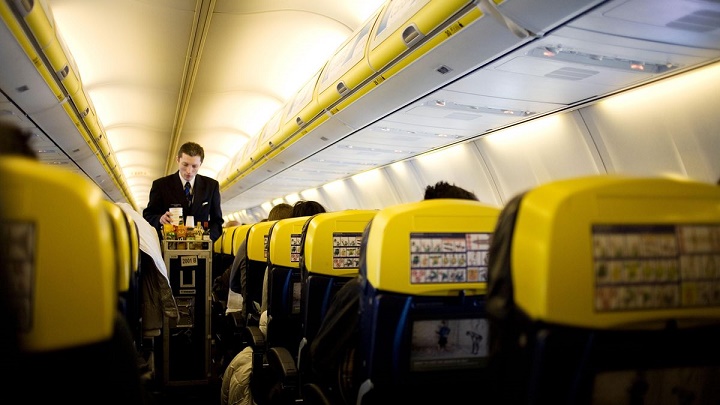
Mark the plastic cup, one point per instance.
(176, 213)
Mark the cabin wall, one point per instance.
(539, 151)
(668, 128)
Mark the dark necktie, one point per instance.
(187, 193)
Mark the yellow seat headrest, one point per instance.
(332, 242)
(257, 241)
(239, 237)
(607, 251)
(432, 247)
(123, 245)
(60, 240)
(284, 244)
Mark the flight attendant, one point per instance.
(198, 195)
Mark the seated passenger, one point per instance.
(300, 209)
(81, 367)
(158, 299)
(333, 349)
(235, 387)
(230, 282)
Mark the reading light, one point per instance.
(415, 133)
(569, 55)
(477, 109)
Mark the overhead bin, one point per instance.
(259, 146)
(588, 58)
(41, 23)
(536, 18)
(451, 45)
(681, 22)
(453, 37)
(251, 149)
(299, 113)
(406, 30)
(34, 29)
(304, 113)
(324, 134)
(272, 127)
(527, 58)
(241, 162)
(404, 24)
(347, 69)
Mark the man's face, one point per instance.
(188, 166)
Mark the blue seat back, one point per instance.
(423, 324)
(604, 289)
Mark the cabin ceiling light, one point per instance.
(474, 109)
(398, 131)
(572, 56)
(347, 163)
(380, 150)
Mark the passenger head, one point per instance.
(189, 159)
(280, 211)
(15, 141)
(231, 223)
(443, 189)
(307, 208)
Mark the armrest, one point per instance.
(255, 337)
(280, 359)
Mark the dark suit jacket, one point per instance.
(168, 191)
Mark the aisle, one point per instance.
(188, 395)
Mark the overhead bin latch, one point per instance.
(411, 35)
(342, 88)
(64, 72)
(489, 7)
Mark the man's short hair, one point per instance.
(192, 149)
(280, 211)
(443, 189)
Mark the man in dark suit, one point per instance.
(201, 200)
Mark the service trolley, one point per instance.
(187, 339)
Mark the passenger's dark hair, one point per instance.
(15, 141)
(307, 208)
(280, 211)
(443, 189)
(192, 149)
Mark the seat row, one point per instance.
(601, 289)
(71, 259)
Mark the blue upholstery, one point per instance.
(331, 257)
(604, 289)
(284, 330)
(423, 273)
